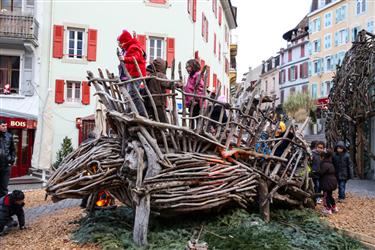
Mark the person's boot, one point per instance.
(12, 223)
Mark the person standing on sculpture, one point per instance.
(7, 157)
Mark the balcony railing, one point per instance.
(18, 27)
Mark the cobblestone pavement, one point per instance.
(365, 188)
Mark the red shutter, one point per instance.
(295, 72)
(302, 50)
(85, 93)
(208, 75)
(289, 55)
(170, 50)
(206, 30)
(288, 74)
(58, 39)
(91, 44)
(158, 1)
(219, 52)
(142, 40)
(194, 10)
(203, 62)
(203, 25)
(306, 69)
(214, 82)
(220, 15)
(59, 91)
(301, 70)
(196, 55)
(214, 43)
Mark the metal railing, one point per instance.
(17, 26)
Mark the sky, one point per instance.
(261, 25)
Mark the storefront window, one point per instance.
(25, 139)
(14, 132)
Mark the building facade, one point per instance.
(19, 76)
(269, 77)
(333, 26)
(293, 76)
(82, 39)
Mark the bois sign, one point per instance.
(20, 123)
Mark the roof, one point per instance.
(303, 26)
(230, 13)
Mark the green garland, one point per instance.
(235, 229)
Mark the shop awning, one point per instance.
(15, 114)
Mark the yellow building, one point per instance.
(333, 25)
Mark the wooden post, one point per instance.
(264, 202)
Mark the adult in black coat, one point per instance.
(328, 182)
(12, 204)
(7, 157)
(343, 166)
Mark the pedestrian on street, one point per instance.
(132, 49)
(343, 166)
(315, 164)
(7, 157)
(12, 204)
(194, 85)
(328, 182)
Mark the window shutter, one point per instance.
(318, 23)
(58, 39)
(280, 77)
(301, 70)
(302, 50)
(208, 75)
(196, 55)
(347, 35)
(142, 40)
(203, 25)
(336, 39)
(288, 74)
(289, 55)
(206, 30)
(214, 43)
(194, 10)
(91, 44)
(59, 91)
(220, 15)
(295, 72)
(170, 50)
(85, 93)
(203, 62)
(219, 52)
(319, 45)
(214, 82)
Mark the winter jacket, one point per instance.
(7, 210)
(328, 181)
(134, 49)
(192, 86)
(7, 150)
(315, 164)
(342, 162)
(157, 87)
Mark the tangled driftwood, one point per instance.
(171, 168)
(352, 99)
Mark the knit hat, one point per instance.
(124, 37)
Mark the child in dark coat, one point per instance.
(328, 182)
(12, 204)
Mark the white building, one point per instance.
(19, 76)
(82, 36)
(269, 77)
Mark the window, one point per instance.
(75, 43)
(370, 26)
(327, 41)
(192, 9)
(316, 46)
(317, 66)
(303, 70)
(293, 73)
(328, 19)
(204, 28)
(329, 64)
(305, 88)
(325, 89)
(314, 91)
(214, 7)
(341, 14)
(341, 37)
(314, 25)
(360, 6)
(9, 74)
(157, 48)
(14, 6)
(73, 91)
(355, 32)
(282, 76)
(340, 57)
(289, 55)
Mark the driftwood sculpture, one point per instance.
(175, 167)
(352, 99)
